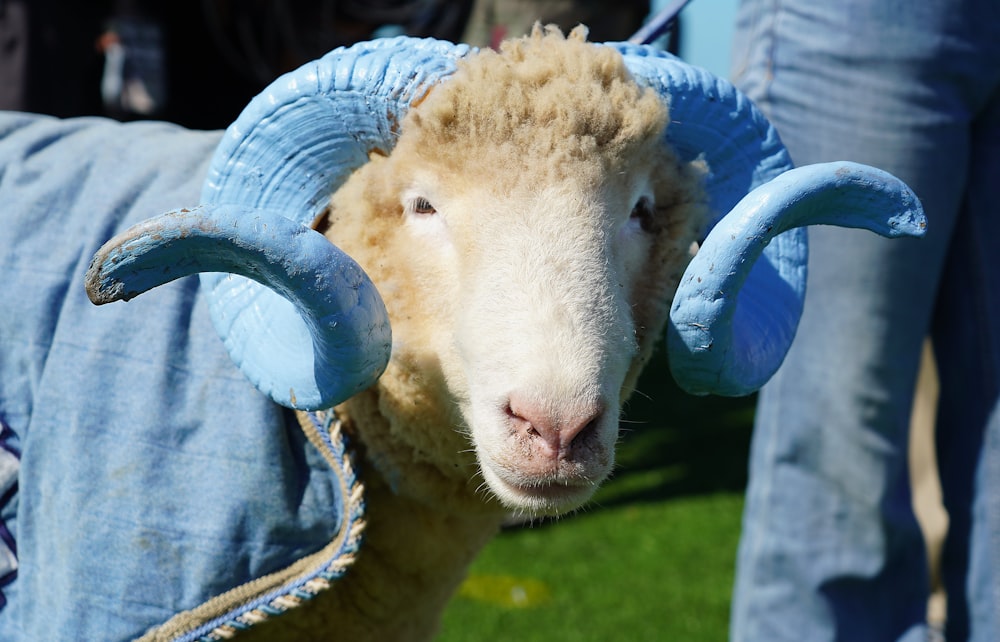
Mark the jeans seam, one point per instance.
(772, 45)
(763, 39)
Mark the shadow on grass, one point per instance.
(699, 444)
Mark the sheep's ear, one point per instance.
(738, 304)
(275, 169)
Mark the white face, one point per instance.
(543, 333)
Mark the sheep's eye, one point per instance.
(643, 212)
(422, 206)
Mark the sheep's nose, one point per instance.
(551, 428)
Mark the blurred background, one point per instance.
(198, 62)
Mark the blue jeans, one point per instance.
(830, 548)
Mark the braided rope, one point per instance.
(326, 429)
(245, 606)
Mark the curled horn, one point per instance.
(303, 322)
(343, 343)
(738, 304)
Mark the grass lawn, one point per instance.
(651, 558)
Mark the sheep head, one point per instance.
(525, 219)
(527, 233)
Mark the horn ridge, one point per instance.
(712, 120)
(288, 152)
(317, 124)
(737, 306)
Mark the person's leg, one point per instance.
(830, 548)
(984, 573)
(967, 346)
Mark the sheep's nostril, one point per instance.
(579, 427)
(550, 426)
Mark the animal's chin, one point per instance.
(540, 498)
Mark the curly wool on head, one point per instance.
(542, 97)
(550, 202)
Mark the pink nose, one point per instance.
(552, 429)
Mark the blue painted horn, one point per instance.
(738, 304)
(301, 319)
(301, 338)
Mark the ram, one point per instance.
(520, 219)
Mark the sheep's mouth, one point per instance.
(543, 497)
(558, 495)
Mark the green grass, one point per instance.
(651, 558)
